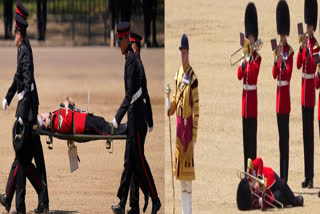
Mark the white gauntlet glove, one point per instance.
(114, 123)
(4, 104)
(150, 129)
(168, 104)
(20, 121)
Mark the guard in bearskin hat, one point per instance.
(282, 70)
(308, 46)
(248, 72)
(276, 189)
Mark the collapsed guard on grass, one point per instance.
(261, 187)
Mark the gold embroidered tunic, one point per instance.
(185, 102)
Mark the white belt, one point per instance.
(136, 95)
(249, 87)
(21, 94)
(282, 83)
(307, 76)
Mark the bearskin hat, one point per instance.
(311, 13)
(283, 18)
(244, 195)
(251, 20)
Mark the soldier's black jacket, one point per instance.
(145, 94)
(23, 82)
(135, 111)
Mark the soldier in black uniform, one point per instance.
(8, 15)
(150, 12)
(27, 111)
(42, 18)
(135, 163)
(135, 41)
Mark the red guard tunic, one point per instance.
(308, 69)
(266, 173)
(317, 83)
(249, 93)
(67, 122)
(283, 76)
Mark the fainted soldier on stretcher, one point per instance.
(71, 120)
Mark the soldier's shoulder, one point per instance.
(257, 56)
(316, 44)
(179, 71)
(291, 51)
(131, 56)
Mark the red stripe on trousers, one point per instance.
(145, 171)
(13, 177)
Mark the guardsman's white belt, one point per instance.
(21, 94)
(248, 87)
(136, 95)
(307, 76)
(282, 83)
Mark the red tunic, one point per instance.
(283, 77)
(308, 70)
(266, 173)
(249, 92)
(66, 125)
(317, 83)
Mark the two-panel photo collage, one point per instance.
(159, 106)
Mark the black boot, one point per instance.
(19, 211)
(146, 202)
(134, 210)
(156, 206)
(4, 202)
(307, 183)
(117, 209)
(299, 200)
(42, 208)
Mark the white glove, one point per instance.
(4, 104)
(193, 144)
(114, 123)
(168, 104)
(150, 129)
(20, 121)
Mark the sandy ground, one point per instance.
(213, 28)
(62, 72)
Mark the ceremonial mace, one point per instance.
(168, 90)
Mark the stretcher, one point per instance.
(80, 138)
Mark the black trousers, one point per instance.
(8, 15)
(283, 129)
(22, 168)
(308, 144)
(42, 18)
(40, 164)
(97, 125)
(134, 187)
(249, 126)
(136, 166)
(149, 12)
(282, 192)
